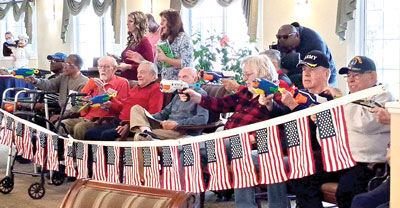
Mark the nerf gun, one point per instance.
(24, 72)
(212, 76)
(170, 86)
(97, 100)
(265, 87)
(167, 51)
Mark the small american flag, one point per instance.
(52, 153)
(69, 159)
(270, 156)
(41, 142)
(8, 131)
(99, 166)
(243, 170)
(217, 165)
(150, 167)
(193, 176)
(334, 140)
(29, 132)
(131, 166)
(113, 164)
(170, 168)
(82, 160)
(300, 154)
(19, 137)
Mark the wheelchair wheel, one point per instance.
(36, 191)
(58, 178)
(6, 185)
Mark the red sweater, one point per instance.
(149, 97)
(145, 49)
(117, 83)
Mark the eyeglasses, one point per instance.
(66, 64)
(55, 61)
(285, 36)
(247, 75)
(355, 75)
(104, 67)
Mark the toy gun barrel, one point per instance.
(213, 76)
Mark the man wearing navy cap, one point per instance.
(56, 64)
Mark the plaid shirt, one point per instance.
(246, 109)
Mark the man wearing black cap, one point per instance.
(56, 64)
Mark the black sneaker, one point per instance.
(155, 137)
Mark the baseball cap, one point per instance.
(57, 56)
(359, 64)
(315, 59)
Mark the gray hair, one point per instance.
(273, 55)
(263, 66)
(108, 58)
(153, 67)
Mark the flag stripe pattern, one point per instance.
(52, 153)
(19, 137)
(98, 165)
(270, 156)
(334, 140)
(69, 159)
(243, 170)
(29, 132)
(113, 164)
(170, 168)
(217, 165)
(131, 166)
(300, 154)
(8, 131)
(193, 176)
(41, 143)
(150, 167)
(82, 160)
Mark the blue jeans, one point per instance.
(379, 197)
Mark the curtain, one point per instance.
(3, 11)
(225, 3)
(72, 7)
(190, 3)
(17, 11)
(344, 14)
(28, 21)
(175, 4)
(101, 8)
(250, 11)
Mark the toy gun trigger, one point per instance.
(36, 71)
(113, 95)
(281, 90)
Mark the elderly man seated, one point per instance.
(146, 94)
(108, 83)
(70, 81)
(162, 125)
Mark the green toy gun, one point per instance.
(164, 45)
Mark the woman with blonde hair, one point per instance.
(138, 46)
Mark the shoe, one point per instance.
(145, 136)
(155, 137)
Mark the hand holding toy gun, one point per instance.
(96, 101)
(167, 51)
(212, 76)
(170, 86)
(265, 87)
(24, 72)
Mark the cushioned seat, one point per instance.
(329, 192)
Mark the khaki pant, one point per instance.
(77, 127)
(138, 119)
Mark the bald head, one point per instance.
(188, 75)
(288, 37)
(107, 67)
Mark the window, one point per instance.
(382, 39)
(209, 18)
(94, 36)
(18, 28)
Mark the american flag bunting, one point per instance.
(82, 159)
(19, 137)
(270, 156)
(150, 167)
(193, 176)
(69, 159)
(300, 154)
(243, 170)
(8, 131)
(131, 166)
(98, 165)
(52, 153)
(113, 164)
(170, 168)
(29, 132)
(332, 131)
(41, 143)
(217, 165)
